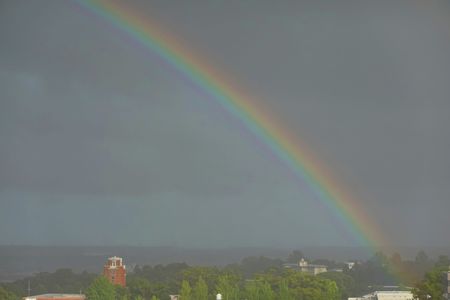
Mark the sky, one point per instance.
(101, 144)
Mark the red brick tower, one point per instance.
(115, 271)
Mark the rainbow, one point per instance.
(259, 122)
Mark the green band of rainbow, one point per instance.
(285, 145)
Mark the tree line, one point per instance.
(253, 278)
(285, 285)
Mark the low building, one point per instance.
(56, 297)
(115, 271)
(350, 264)
(339, 270)
(386, 295)
(305, 267)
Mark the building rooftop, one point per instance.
(386, 295)
(56, 296)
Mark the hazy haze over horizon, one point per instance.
(102, 144)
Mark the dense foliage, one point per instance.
(433, 285)
(381, 270)
(60, 281)
(258, 278)
(101, 289)
(7, 295)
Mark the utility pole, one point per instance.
(29, 288)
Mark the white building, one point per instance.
(305, 267)
(56, 297)
(350, 264)
(386, 295)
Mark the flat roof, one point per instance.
(56, 296)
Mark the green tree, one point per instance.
(345, 283)
(259, 290)
(7, 295)
(227, 286)
(139, 287)
(432, 286)
(162, 289)
(122, 293)
(60, 281)
(101, 289)
(208, 274)
(284, 293)
(154, 298)
(304, 286)
(200, 291)
(266, 292)
(186, 291)
(252, 290)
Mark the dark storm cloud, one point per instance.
(89, 123)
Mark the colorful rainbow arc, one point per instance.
(285, 145)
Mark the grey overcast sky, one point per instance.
(102, 144)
